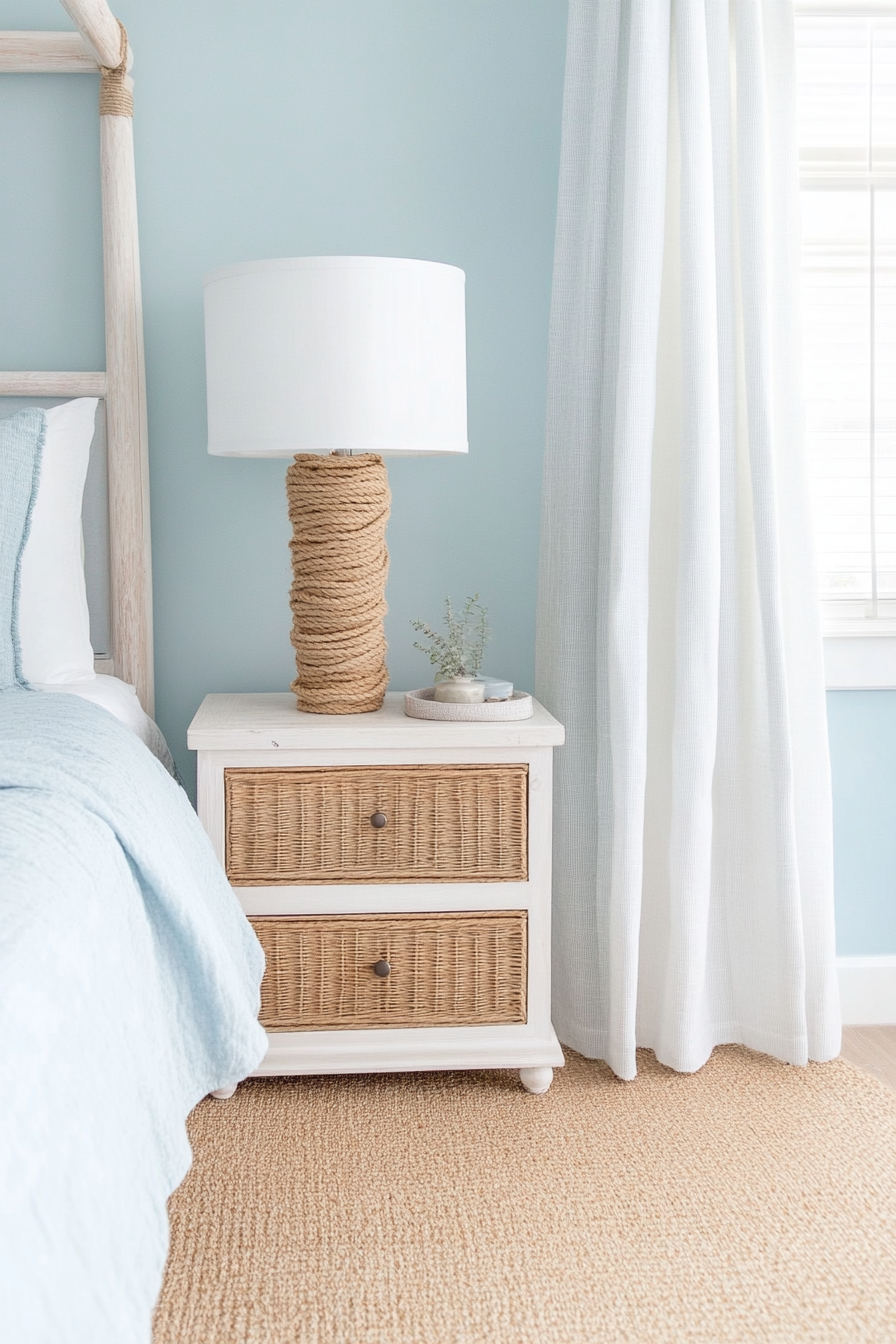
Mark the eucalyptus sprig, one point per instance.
(459, 652)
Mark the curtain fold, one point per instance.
(678, 628)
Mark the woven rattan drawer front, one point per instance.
(444, 970)
(432, 823)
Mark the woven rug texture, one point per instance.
(751, 1201)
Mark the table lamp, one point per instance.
(336, 362)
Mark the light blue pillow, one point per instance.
(21, 445)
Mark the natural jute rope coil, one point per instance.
(116, 99)
(338, 507)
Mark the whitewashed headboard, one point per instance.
(100, 46)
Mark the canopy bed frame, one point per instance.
(100, 46)
(129, 979)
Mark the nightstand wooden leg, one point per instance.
(223, 1093)
(536, 1080)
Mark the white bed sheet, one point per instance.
(120, 700)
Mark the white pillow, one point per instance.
(54, 623)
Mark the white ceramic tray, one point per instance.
(421, 705)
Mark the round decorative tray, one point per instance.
(421, 705)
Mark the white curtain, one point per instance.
(678, 634)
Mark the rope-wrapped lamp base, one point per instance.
(339, 507)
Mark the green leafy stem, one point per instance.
(459, 652)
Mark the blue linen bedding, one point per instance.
(129, 988)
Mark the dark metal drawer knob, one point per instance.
(379, 820)
(382, 969)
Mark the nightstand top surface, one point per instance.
(241, 722)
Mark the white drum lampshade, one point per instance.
(337, 361)
(335, 355)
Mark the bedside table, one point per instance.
(397, 873)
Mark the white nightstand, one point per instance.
(398, 874)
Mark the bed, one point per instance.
(129, 977)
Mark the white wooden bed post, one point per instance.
(101, 42)
(128, 440)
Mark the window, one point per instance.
(846, 103)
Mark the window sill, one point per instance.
(860, 660)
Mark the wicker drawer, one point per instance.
(437, 823)
(444, 970)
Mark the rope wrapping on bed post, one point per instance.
(116, 99)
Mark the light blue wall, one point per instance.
(862, 728)
(419, 128)
(424, 128)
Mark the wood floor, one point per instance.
(872, 1049)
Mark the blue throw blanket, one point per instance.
(128, 990)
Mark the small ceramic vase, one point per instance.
(460, 691)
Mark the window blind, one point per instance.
(846, 106)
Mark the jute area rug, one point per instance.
(748, 1202)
